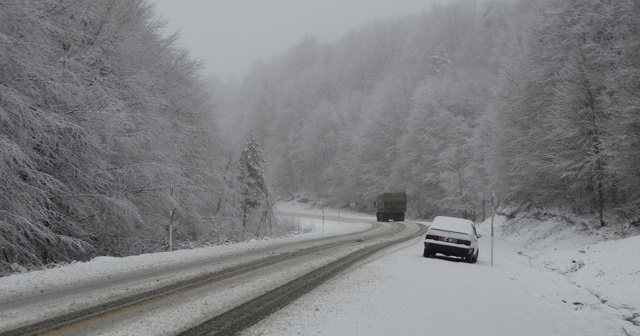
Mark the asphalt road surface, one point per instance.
(218, 295)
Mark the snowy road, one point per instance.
(402, 293)
(579, 286)
(186, 294)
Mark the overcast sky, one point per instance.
(229, 35)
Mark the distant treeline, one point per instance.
(535, 100)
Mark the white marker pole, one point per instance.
(492, 215)
(171, 220)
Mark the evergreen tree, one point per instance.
(253, 185)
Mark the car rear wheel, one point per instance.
(473, 257)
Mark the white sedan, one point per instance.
(452, 236)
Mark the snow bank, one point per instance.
(402, 293)
(594, 260)
(111, 268)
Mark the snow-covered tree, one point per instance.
(349, 119)
(252, 183)
(562, 136)
(99, 114)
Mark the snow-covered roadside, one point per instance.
(403, 293)
(293, 208)
(608, 268)
(102, 268)
(534, 288)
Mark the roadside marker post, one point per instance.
(171, 211)
(322, 218)
(493, 196)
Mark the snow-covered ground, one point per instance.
(110, 267)
(72, 287)
(545, 281)
(540, 284)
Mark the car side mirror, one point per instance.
(479, 235)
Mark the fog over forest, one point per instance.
(537, 100)
(109, 133)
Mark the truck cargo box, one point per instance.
(391, 206)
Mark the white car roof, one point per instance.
(452, 224)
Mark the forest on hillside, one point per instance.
(110, 137)
(537, 101)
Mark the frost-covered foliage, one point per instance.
(537, 100)
(255, 200)
(251, 178)
(99, 115)
(567, 105)
(393, 106)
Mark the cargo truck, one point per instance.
(391, 206)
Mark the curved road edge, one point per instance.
(251, 312)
